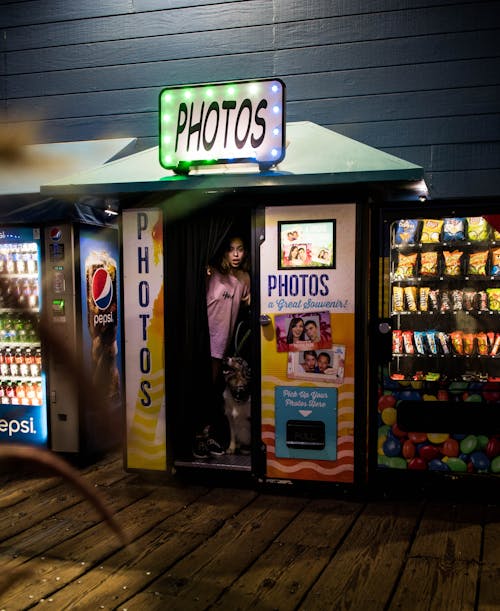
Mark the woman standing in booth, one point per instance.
(228, 288)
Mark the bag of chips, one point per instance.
(469, 299)
(496, 345)
(431, 341)
(457, 299)
(429, 263)
(411, 297)
(477, 229)
(452, 262)
(468, 343)
(419, 337)
(482, 343)
(443, 342)
(457, 339)
(397, 342)
(408, 342)
(431, 231)
(494, 299)
(445, 303)
(398, 299)
(482, 301)
(434, 298)
(406, 231)
(453, 229)
(423, 298)
(477, 263)
(495, 262)
(406, 266)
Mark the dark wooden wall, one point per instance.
(417, 78)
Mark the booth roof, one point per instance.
(23, 174)
(314, 156)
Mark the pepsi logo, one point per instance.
(102, 288)
(55, 234)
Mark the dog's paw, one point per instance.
(231, 449)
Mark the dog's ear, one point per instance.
(226, 367)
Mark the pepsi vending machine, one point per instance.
(23, 415)
(60, 382)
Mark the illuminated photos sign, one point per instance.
(222, 123)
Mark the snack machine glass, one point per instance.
(23, 416)
(439, 389)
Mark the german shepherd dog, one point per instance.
(236, 372)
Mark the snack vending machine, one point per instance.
(439, 383)
(59, 337)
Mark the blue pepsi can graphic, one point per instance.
(102, 306)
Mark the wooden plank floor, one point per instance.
(199, 546)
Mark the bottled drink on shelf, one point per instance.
(10, 264)
(14, 368)
(9, 356)
(38, 393)
(9, 391)
(31, 263)
(20, 390)
(4, 369)
(31, 393)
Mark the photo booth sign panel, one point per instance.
(144, 339)
(307, 350)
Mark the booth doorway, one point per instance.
(191, 245)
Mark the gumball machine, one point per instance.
(437, 413)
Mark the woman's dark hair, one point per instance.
(293, 323)
(223, 265)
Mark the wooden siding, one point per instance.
(417, 78)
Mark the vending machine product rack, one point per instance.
(22, 390)
(20, 349)
(446, 303)
(439, 395)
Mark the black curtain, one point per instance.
(190, 244)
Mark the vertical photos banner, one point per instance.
(144, 339)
